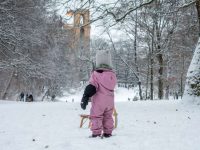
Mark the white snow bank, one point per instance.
(193, 70)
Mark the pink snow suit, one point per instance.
(102, 102)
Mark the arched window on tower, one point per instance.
(82, 37)
(81, 20)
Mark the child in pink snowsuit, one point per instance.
(101, 88)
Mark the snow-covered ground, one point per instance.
(143, 125)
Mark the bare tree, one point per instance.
(33, 48)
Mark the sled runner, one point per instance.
(85, 117)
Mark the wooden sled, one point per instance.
(85, 117)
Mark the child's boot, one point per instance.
(107, 135)
(94, 136)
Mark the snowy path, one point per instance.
(152, 125)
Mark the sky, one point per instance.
(97, 28)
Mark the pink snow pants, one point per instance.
(101, 114)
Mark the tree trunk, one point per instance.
(151, 68)
(160, 76)
(167, 92)
(182, 73)
(198, 12)
(147, 80)
(181, 90)
(151, 79)
(159, 57)
(137, 68)
(3, 96)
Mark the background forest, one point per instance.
(152, 43)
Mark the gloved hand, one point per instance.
(90, 90)
(84, 102)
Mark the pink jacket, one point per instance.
(105, 83)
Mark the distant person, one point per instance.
(21, 96)
(30, 98)
(53, 97)
(26, 98)
(176, 95)
(101, 88)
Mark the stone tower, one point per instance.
(79, 42)
(82, 30)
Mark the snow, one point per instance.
(193, 70)
(142, 125)
(195, 63)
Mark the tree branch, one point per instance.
(129, 11)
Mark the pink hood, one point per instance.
(106, 79)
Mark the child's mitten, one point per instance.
(90, 90)
(84, 102)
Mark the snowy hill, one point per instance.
(143, 125)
